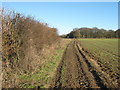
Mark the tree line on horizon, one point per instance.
(92, 33)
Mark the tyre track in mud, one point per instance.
(75, 71)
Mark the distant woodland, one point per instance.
(92, 33)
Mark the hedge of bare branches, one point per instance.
(19, 33)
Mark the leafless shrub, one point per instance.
(21, 37)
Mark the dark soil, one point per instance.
(76, 70)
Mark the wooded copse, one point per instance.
(92, 33)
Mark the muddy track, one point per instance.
(76, 70)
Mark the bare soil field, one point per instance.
(78, 70)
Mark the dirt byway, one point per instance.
(76, 71)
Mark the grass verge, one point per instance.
(43, 75)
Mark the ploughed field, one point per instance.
(77, 63)
(88, 63)
(106, 53)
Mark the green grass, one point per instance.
(62, 75)
(105, 50)
(43, 76)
